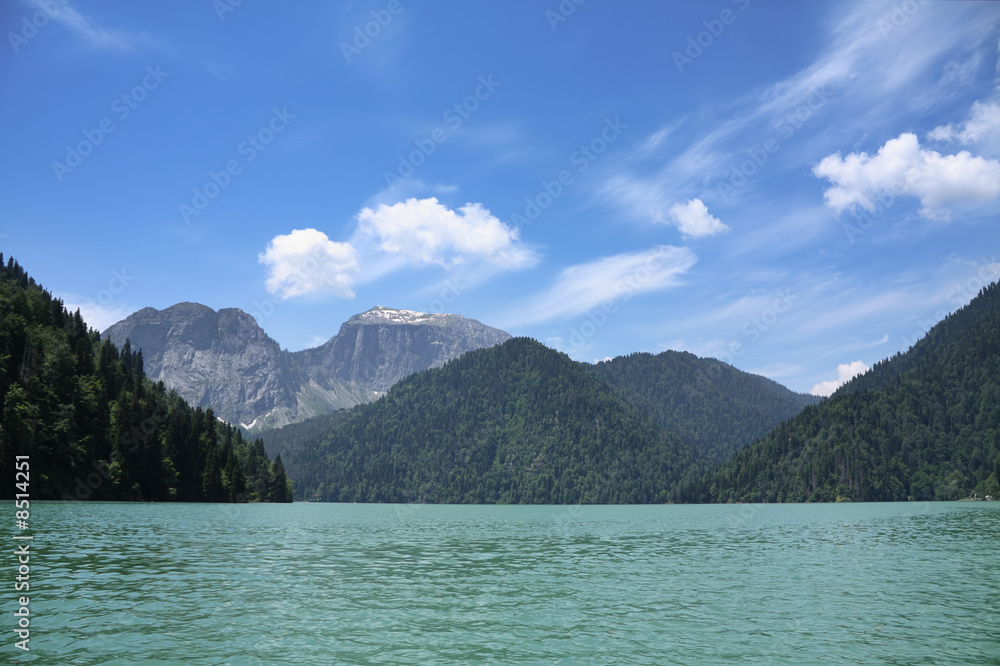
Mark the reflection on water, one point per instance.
(335, 583)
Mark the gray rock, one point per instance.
(225, 361)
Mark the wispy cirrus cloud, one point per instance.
(582, 287)
(95, 31)
(853, 43)
(982, 123)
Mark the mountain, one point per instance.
(225, 360)
(87, 424)
(923, 425)
(707, 403)
(522, 423)
(514, 423)
(377, 348)
(222, 360)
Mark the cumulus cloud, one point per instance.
(845, 372)
(694, 220)
(614, 279)
(305, 261)
(388, 237)
(425, 231)
(984, 120)
(902, 167)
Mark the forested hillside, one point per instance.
(707, 403)
(711, 407)
(96, 428)
(924, 425)
(294, 437)
(516, 423)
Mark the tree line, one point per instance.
(95, 427)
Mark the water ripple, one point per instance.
(363, 584)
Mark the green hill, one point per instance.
(516, 423)
(924, 425)
(521, 423)
(94, 427)
(707, 403)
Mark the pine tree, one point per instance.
(93, 425)
(211, 483)
(280, 491)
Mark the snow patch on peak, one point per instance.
(384, 315)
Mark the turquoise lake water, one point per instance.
(115, 583)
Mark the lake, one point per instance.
(116, 583)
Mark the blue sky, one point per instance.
(799, 189)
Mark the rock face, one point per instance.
(379, 347)
(224, 360)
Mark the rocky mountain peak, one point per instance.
(383, 315)
(224, 360)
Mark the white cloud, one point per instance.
(316, 341)
(426, 232)
(996, 70)
(96, 315)
(617, 278)
(960, 73)
(845, 372)
(652, 142)
(880, 79)
(305, 261)
(984, 120)
(91, 30)
(694, 220)
(902, 167)
(390, 237)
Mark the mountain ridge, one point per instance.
(483, 427)
(922, 425)
(225, 360)
(514, 423)
(704, 401)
